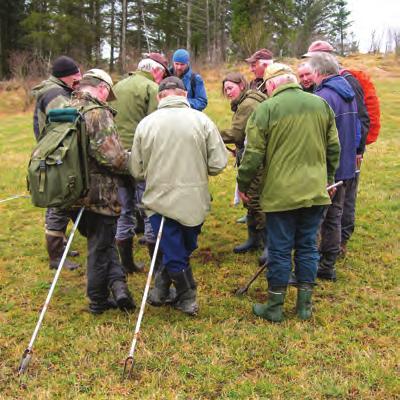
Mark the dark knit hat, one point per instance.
(172, 82)
(64, 66)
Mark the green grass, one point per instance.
(349, 350)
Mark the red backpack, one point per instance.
(371, 103)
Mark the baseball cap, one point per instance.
(172, 82)
(276, 69)
(102, 76)
(263, 54)
(319, 46)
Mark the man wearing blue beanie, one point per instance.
(194, 84)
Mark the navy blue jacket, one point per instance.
(341, 97)
(198, 97)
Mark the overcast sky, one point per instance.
(368, 15)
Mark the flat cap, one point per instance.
(319, 46)
(160, 59)
(172, 82)
(276, 69)
(263, 54)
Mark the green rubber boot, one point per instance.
(304, 304)
(273, 309)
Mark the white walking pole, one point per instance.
(17, 196)
(26, 357)
(129, 360)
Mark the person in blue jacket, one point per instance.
(338, 93)
(194, 84)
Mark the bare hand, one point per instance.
(244, 197)
(332, 192)
(359, 158)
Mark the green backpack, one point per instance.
(58, 173)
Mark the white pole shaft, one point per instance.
(146, 289)
(53, 285)
(14, 197)
(340, 183)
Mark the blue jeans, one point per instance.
(148, 230)
(126, 222)
(293, 230)
(177, 242)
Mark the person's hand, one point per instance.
(359, 158)
(332, 192)
(244, 197)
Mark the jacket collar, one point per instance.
(287, 86)
(146, 74)
(173, 102)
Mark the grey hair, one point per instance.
(147, 64)
(324, 64)
(284, 79)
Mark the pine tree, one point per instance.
(340, 24)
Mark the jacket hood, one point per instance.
(340, 86)
(173, 102)
(43, 86)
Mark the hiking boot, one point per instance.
(327, 274)
(98, 308)
(304, 304)
(55, 248)
(159, 293)
(253, 242)
(122, 296)
(125, 249)
(185, 291)
(273, 309)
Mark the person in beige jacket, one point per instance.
(175, 149)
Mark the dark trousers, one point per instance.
(103, 266)
(331, 229)
(177, 242)
(293, 230)
(349, 209)
(57, 219)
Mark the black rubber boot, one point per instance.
(160, 292)
(99, 308)
(55, 248)
(273, 309)
(253, 242)
(125, 249)
(185, 291)
(122, 296)
(326, 267)
(304, 304)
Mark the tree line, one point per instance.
(117, 33)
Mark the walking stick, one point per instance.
(27, 355)
(128, 366)
(17, 196)
(245, 288)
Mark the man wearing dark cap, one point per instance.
(259, 61)
(194, 84)
(107, 160)
(136, 98)
(174, 150)
(54, 92)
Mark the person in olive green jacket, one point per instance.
(243, 103)
(136, 97)
(293, 135)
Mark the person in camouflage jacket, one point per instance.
(243, 102)
(107, 159)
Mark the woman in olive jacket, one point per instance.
(243, 102)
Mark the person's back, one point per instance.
(295, 124)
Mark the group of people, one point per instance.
(151, 150)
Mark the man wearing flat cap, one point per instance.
(52, 93)
(174, 150)
(107, 160)
(294, 136)
(258, 62)
(136, 98)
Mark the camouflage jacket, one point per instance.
(49, 94)
(107, 157)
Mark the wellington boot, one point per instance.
(159, 293)
(125, 249)
(55, 248)
(99, 308)
(273, 309)
(253, 242)
(122, 296)
(151, 248)
(185, 291)
(304, 304)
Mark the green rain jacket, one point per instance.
(293, 134)
(136, 98)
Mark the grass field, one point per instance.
(349, 350)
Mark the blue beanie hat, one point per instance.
(181, 56)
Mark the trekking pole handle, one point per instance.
(337, 184)
(146, 290)
(53, 285)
